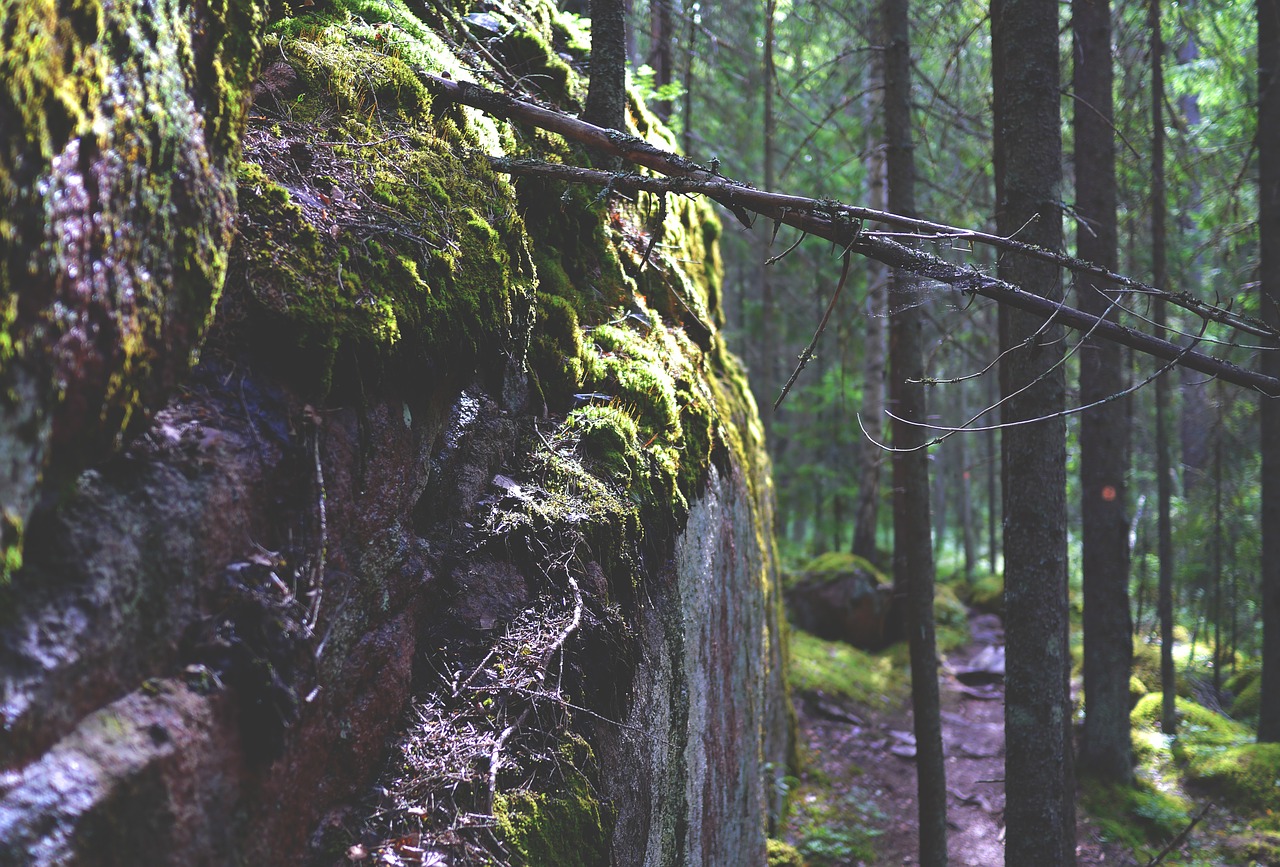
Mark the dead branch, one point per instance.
(1177, 841)
(736, 196)
(964, 278)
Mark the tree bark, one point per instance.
(660, 55)
(1039, 773)
(1164, 482)
(1269, 291)
(912, 553)
(607, 89)
(1106, 751)
(867, 509)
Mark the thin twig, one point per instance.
(822, 326)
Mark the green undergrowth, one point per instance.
(831, 826)
(840, 671)
(1213, 758)
(781, 854)
(1142, 817)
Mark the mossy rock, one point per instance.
(1146, 668)
(1198, 727)
(951, 619)
(1248, 704)
(1245, 774)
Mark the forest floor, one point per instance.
(856, 800)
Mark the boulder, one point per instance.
(840, 597)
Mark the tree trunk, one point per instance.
(768, 324)
(686, 121)
(1164, 484)
(1106, 751)
(607, 91)
(866, 513)
(912, 555)
(966, 509)
(1269, 292)
(1039, 774)
(993, 479)
(660, 54)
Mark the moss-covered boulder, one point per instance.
(841, 597)
(462, 470)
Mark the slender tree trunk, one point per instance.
(686, 121)
(768, 322)
(993, 478)
(940, 514)
(912, 555)
(660, 53)
(966, 509)
(1164, 482)
(1269, 291)
(1217, 565)
(1039, 772)
(1106, 751)
(866, 516)
(607, 89)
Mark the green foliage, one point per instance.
(831, 829)
(1141, 817)
(841, 671)
(781, 854)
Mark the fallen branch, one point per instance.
(1177, 841)
(844, 233)
(738, 195)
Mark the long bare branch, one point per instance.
(842, 225)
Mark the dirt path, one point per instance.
(863, 762)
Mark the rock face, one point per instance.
(451, 476)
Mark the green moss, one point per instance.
(841, 671)
(782, 854)
(1248, 703)
(1140, 817)
(1245, 774)
(561, 827)
(11, 538)
(529, 58)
